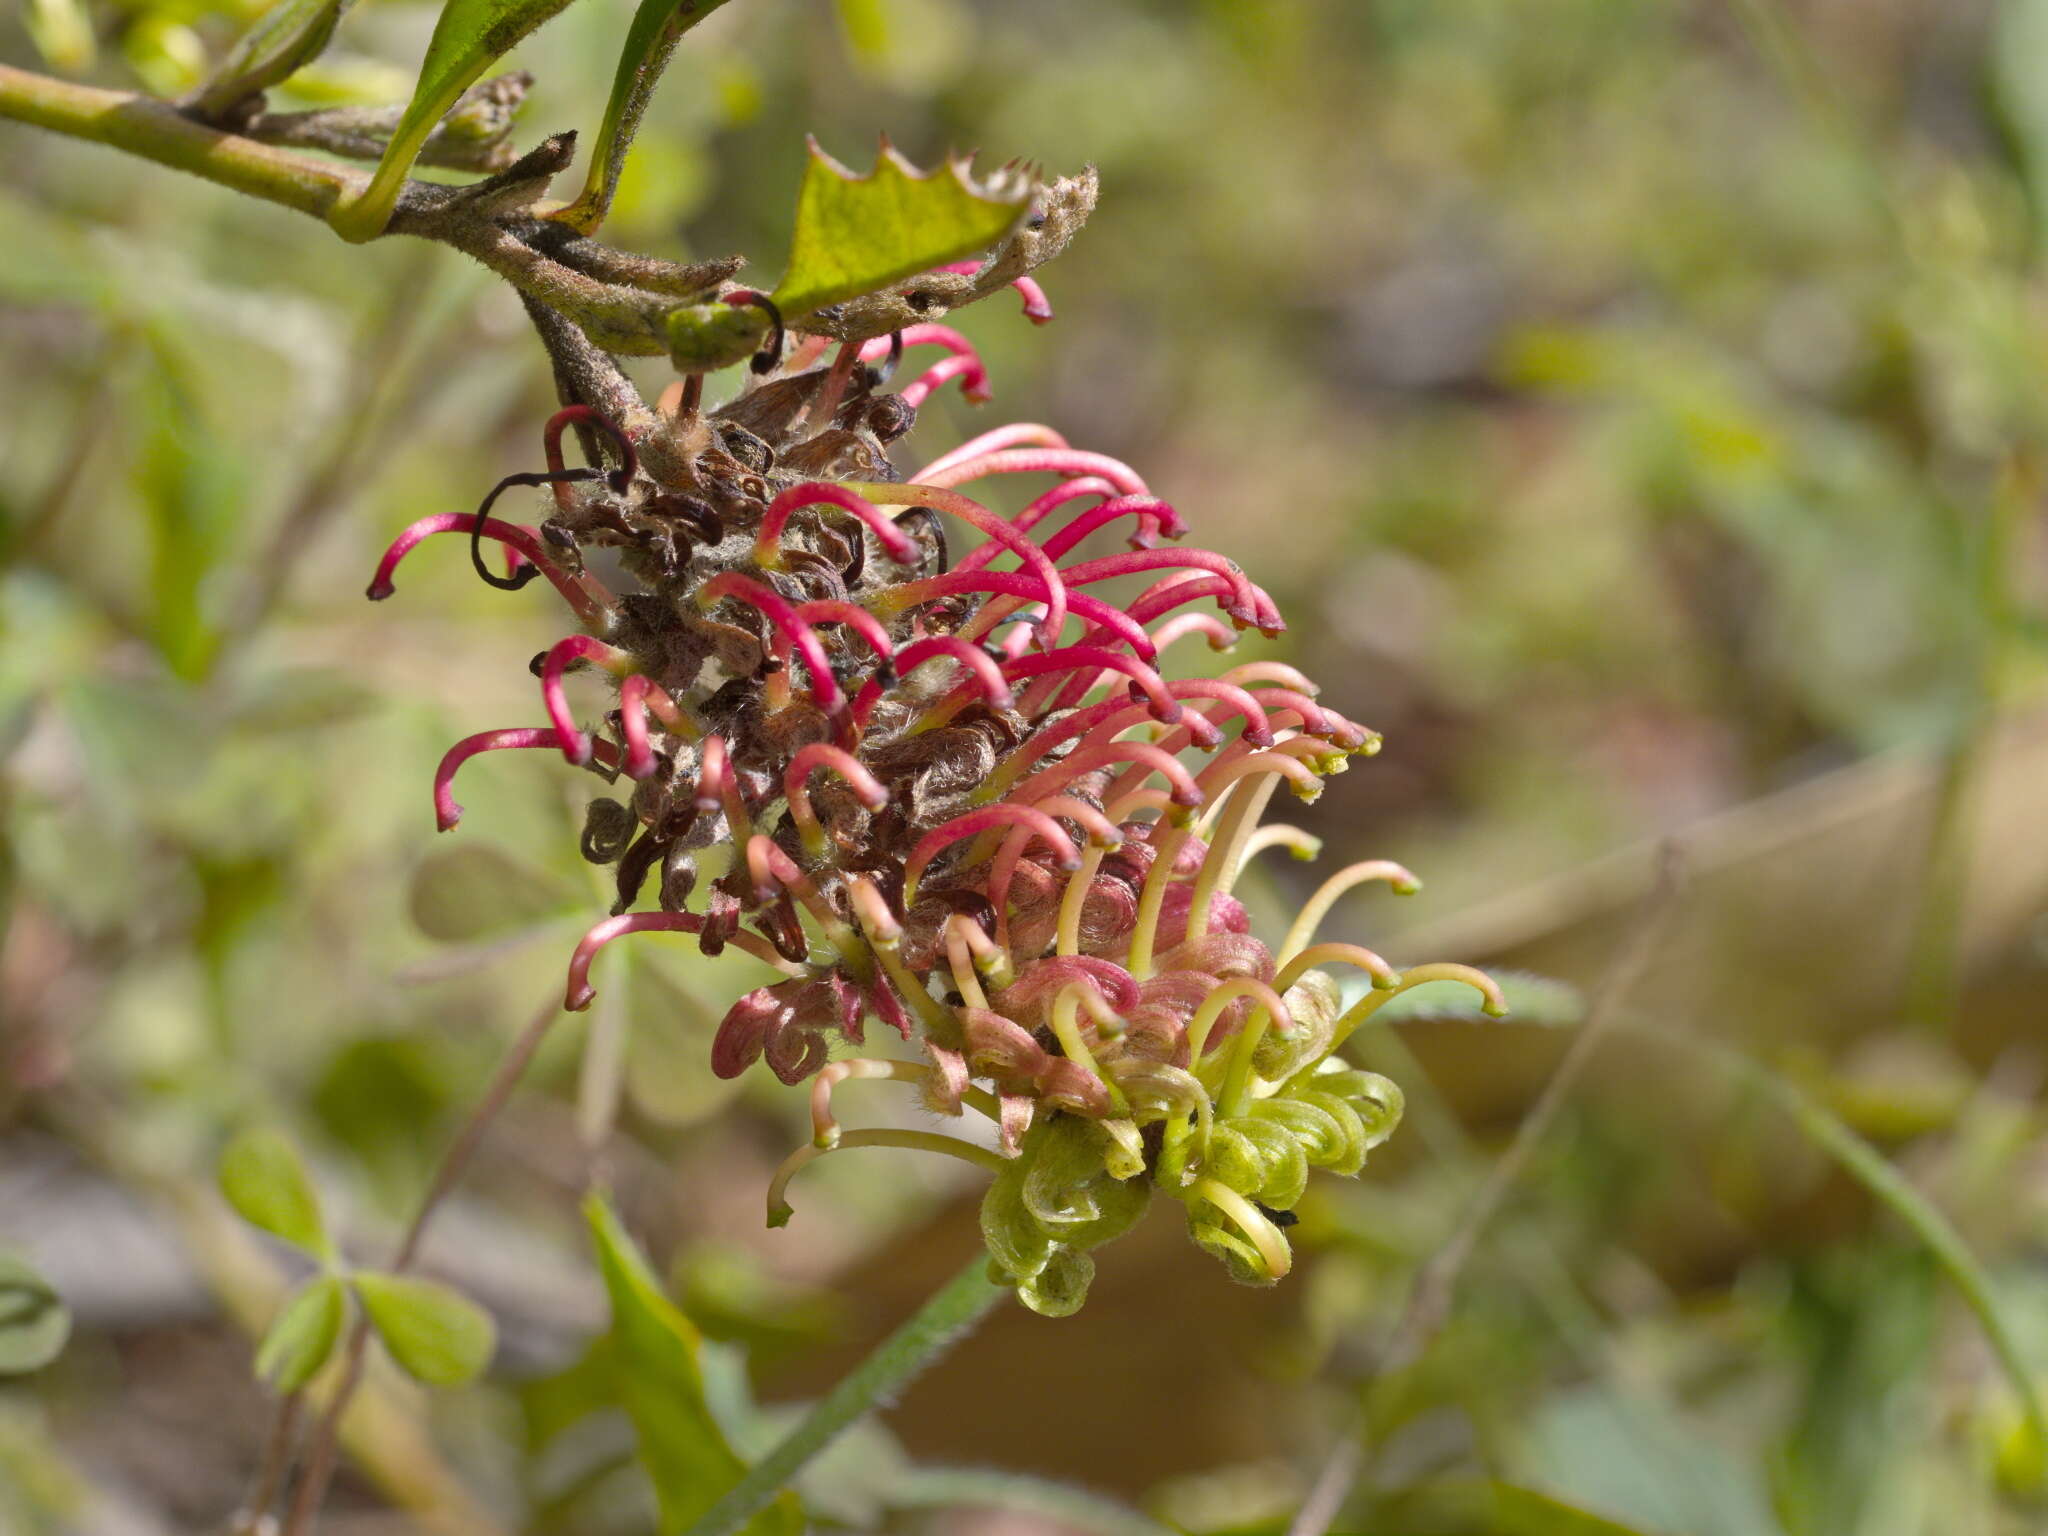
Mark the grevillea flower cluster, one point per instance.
(904, 750)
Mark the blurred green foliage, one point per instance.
(1637, 408)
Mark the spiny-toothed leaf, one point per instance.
(266, 1182)
(469, 37)
(33, 1321)
(856, 234)
(661, 1386)
(657, 27)
(303, 1336)
(437, 1335)
(285, 38)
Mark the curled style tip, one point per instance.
(516, 580)
(770, 354)
(587, 416)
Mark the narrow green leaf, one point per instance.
(658, 25)
(288, 36)
(1885, 1183)
(303, 1336)
(2019, 34)
(194, 491)
(33, 1321)
(661, 1387)
(856, 235)
(1869, 1167)
(437, 1335)
(470, 36)
(267, 1184)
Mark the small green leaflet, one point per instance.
(437, 1335)
(659, 1383)
(267, 1184)
(856, 235)
(33, 1322)
(304, 1335)
(288, 36)
(469, 38)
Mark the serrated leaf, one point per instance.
(660, 1384)
(469, 37)
(288, 36)
(856, 234)
(437, 1335)
(658, 25)
(266, 1182)
(302, 1338)
(34, 1323)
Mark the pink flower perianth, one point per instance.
(1037, 307)
(780, 612)
(981, 671)
(815, 493)
(964, 363)
(561, 655)
(1016, 434)
(936, 841)
(446, 812)
(584, 593)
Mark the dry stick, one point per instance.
(321, 1455)
(1429, 1300)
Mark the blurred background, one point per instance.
(1641, 413)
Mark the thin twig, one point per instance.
(1429, 1298)
(322, 1452)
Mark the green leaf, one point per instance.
(288, 36)
(437, 1335)
(194, 490)
(658, 25)
(267, 1184)
(856, 235)
(2019, 34)
(1869, 1167)
(303, 1336)
(470, 36)
(661, 1387)
(33, 1321)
